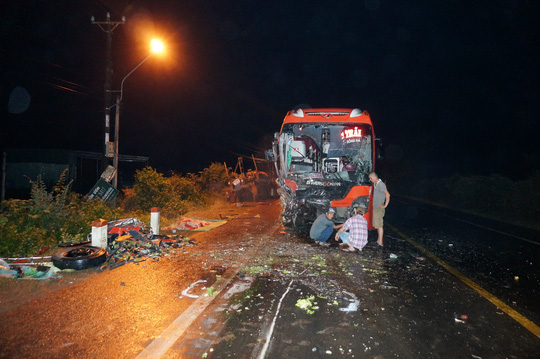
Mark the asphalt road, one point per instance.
(444, 286)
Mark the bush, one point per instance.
(151, 189)
(48, 218)
(60, 215)
(214, 177)
(183, 192)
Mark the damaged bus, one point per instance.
(323, 158)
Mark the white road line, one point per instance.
(165, 340)
(262, 355)
(176, 329)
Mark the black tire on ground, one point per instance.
(79, 257)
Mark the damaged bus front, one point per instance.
(323, 158)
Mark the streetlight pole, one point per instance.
(108, 27)
(116, 138)
(117, 120)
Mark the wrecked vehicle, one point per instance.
(253, 185)
(323, 158)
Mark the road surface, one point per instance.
(445, 285)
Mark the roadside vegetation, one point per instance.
(492, 196)
(55, 215)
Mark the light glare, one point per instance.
(157, 46)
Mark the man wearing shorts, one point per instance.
(381, 199)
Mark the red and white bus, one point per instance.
(323, 158)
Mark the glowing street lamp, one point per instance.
(156, 46)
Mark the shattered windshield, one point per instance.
(340, 151)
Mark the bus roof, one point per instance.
(333, 115)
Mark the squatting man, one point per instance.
(323, 227)
(356, 237)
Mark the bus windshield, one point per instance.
(336, 151)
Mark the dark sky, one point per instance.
(455, 84)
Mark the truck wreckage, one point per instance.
(323, 158)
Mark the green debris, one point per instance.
(254, 270)
(211, 291)
(374, 272)
(308, 304)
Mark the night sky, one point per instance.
(454, 84)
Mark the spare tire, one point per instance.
(79, 257)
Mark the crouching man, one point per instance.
(323, 227)
(356, 237)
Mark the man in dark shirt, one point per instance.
(323, 227)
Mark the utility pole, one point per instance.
(108, 27)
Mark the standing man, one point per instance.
(381, 199)
(323, 227)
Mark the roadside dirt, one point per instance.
(117, 313)
(16, 292)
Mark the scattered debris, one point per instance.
(195, 224)
(124, 226)
(5, 270)
(308, 304)
(130, 240)
(27, 268)
(393, 256)
(353, 305)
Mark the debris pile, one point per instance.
(131, 241)
(28, 268)
(128, 240)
